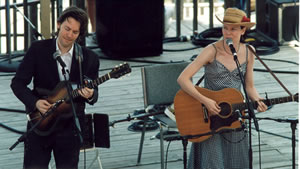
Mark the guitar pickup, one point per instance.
(205, 114)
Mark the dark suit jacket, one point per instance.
(40, 66)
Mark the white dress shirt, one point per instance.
(67, 58)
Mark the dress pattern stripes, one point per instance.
(224, 150)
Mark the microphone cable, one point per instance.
(263, 45)
(178, 39)
(11, 129)
(167, 151)
(207, 36)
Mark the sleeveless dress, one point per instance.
(224, 150)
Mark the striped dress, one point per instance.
(226, 150)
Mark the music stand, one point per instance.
(96, 134)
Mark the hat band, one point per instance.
(245, 19)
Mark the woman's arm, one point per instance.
(250, 88)
(184, 80)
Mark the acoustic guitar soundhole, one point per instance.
(225, 109)
(224, 118)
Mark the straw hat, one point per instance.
(234, 16)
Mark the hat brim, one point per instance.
(246, 24)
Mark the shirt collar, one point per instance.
(70, 51)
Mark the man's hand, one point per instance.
(86, 92)
(43, 105)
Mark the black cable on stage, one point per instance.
(180, 50)
(143, 61)
(11, 129)
(166, 162)
(264, 70)
(274, 134)
(276, 71)
(262, 43)
(13, 110)
(207, 36)
(178, 39)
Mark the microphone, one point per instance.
(56, 56)
(229, 42)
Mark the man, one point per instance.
(41, 66)
(91, 9)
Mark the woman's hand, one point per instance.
(261, 106)
(212, 107)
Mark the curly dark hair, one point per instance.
(79, 15)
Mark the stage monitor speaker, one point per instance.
(130, 28)
(278, 19)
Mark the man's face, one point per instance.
(68, 33)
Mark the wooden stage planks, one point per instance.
(120, 97)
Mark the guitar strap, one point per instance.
(281, 84)
(79, 57)
(200, 80)
(251, 49)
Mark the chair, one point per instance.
(159, 88)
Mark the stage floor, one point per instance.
(120, 97)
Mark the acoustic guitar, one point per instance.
(193, 119)
(61, 108)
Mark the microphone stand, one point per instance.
(250, 109)
(70, 98)
(36, 34)
(24, 135)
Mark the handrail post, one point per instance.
(195, 19)
(178, 17)
(26, 29)
(8, 33)
(211, 12)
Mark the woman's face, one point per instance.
(233, 32)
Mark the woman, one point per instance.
(225, 150)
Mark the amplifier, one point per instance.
(279, 19)
(130, 28)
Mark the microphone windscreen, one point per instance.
(229, 41)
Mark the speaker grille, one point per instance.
(130, 28)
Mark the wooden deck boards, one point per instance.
(120, 97)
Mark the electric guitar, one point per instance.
(192, 117)
(61, 109)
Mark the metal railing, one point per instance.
(23, 25)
